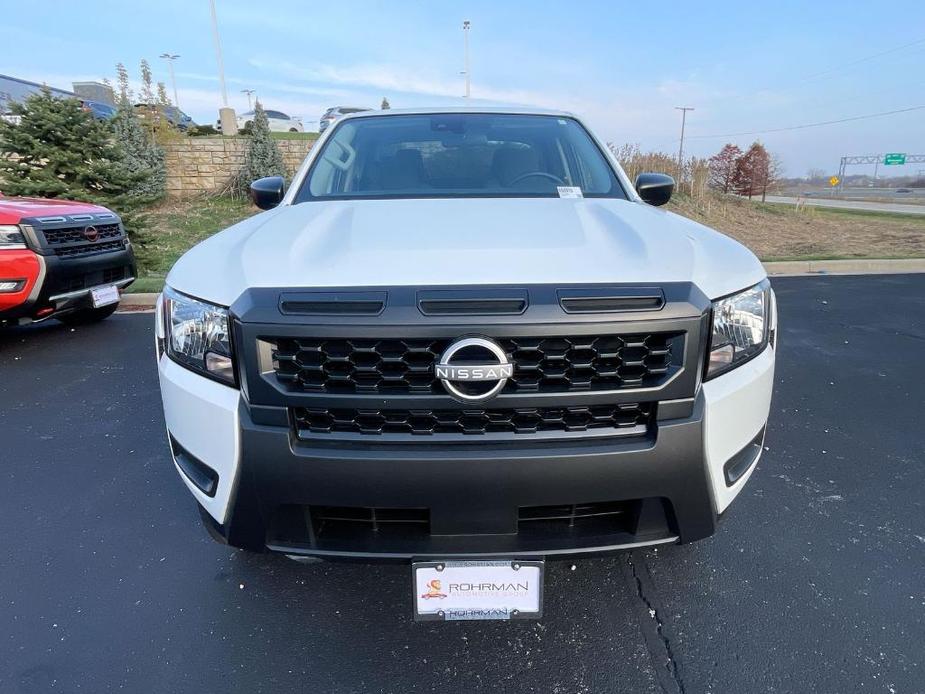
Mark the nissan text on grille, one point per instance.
(463, 339)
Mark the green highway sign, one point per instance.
(894, 159)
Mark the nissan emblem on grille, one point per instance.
(479, 372)
(91, 233)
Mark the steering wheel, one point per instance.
(534, 174)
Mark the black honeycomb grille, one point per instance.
(55, 237)
(626, 418)
(89, 248)
(399, 366)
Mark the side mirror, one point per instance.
(267, 193)
(654, 188)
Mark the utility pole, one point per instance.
(249, 92)
(226, 114)
(173, 80)
(466, 26)
(683, 110)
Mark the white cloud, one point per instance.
(391, 79)
(259, 85)
(380, 77)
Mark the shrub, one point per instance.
(58, 150)
(140, 155)
(202, 130)
(55, 149)
(262, 158)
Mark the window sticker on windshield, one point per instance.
(569, 192)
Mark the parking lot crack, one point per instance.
(667, 668)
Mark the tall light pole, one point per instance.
(225, 114)
(683, 110)
(466, 26)
(249, 92)
(173, 80)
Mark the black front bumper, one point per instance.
(67, 283)
(472, 498)
(376, 494)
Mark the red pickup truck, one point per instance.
(61, 259)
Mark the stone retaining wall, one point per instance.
(198, 165)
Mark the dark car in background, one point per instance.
(98, 109)
(171, 114)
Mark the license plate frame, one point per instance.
(104, 296)
(464, 605)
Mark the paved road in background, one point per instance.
(918, 209)
(815, 581)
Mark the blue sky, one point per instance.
(623, 65)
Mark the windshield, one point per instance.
(458, 155)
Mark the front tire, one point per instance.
(87, 316)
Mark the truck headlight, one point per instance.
(740, 328)
(11, 237)
(198, 336)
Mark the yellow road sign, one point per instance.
(834, 181)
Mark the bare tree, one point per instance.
(125, 92)
(163, 101)
(815, 175)
(773, 172)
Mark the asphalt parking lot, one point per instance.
(814, 582)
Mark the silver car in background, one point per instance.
(335, 112)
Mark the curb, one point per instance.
(133, 303)
(785, 268)
(844, 267)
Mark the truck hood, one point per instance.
(481, 241)
(14, 209)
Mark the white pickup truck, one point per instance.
(463, 338)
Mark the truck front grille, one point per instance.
(95, 279)
(608, 516)
(57, 237)
(89, 248)
(623, 419)
(409, 531)
(406, 366)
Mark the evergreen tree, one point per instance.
(58, 150)
(385, 106)
(263, 157)
(140, 156)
